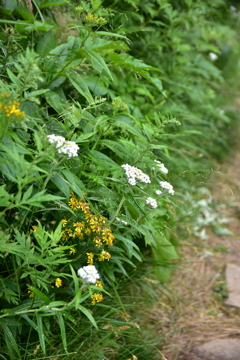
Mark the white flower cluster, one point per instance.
(167, 186)
(161, 166)
(121, 221)
(158, 192)
(133, 174)
(213, 56)
(69, 148)
(151, 202)
(89, 274)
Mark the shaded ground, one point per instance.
(192, 311)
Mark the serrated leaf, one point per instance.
(98, 62)
(80, 85)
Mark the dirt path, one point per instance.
(193, 310)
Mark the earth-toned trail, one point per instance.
(193, 316)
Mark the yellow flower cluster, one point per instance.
(91, 226)
(79, 8)
(119, 104)
(12, 109)
(58, 282)
(31, 293)
(90, 258)
(95, 20)
(99, 284)
(96, 298)
(104, 256)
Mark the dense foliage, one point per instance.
(103, 106)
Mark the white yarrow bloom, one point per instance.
(167, 186)
(133, 174)
(121, 221)
(213, 56)
(161, 166)
(151, 202)
(233, 8)
(89, 274)
(158, 192)
(69, 148)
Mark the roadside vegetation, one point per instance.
(112, 116)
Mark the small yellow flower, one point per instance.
(99, 284)
(97, 241)
(88, 231)
(72, 251)
(107, 236)
(79, 8)
(90, 258)
(73, 203)
(96, 298)
(119, 104)
(31, 293)
(35, 228)
(64, 222)
(104, 256)
(95, 20)
(58, 282)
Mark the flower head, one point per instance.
(151, 202)
(119, 221)
(213, 56)
(58, 282)
(90, 256)
(72, 251)
(167, 186)
(69, 148)
(158, 192)
(96, 298)
(161, 166)
(133, 174)
(89, 274)
(104, 256)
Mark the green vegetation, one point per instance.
(98, 100)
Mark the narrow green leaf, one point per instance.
(74, 182)
(41, 332)
(62, 329)
(88, 315)
(39, 294)
(10, 338)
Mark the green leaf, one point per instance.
(10, 339)
(14, 78)
(54, 101)
(110, 34)
(88, 315)
(62, 329)
(41, 332)
(98, 63)
(84, 137)
(74, 182)
(46, 4)
(39, 294)
(31, 323)
(47, 42)
(61, 184)
(78, 82)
